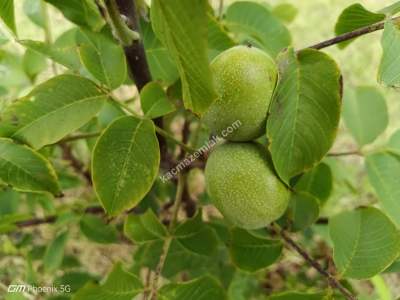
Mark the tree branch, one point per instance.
(168, 240)
(332, 281)
(352, 34)
(136, 55)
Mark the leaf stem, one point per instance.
(220, 9)
(352, 34)
(76, 137)
(168, 240)
(332, 281)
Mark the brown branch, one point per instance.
(352, 34)
(136, 56)
(332, 281)
(95, 210)
(75, 163)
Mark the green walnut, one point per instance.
(243, 186)
(244, 78)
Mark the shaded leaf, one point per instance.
(7, 14)
(354, 17)
(394, 143)
(298, 296)
(253, 22)
(80, 12)
(218, 38)
(125, 163)
(286, 12)
(252, 253)
(74, 279)
(154, 101)
(318, 182)
(390, 63)
(102, 57)
(203, 288)
(95, 229)
(144, 228)
(54, 254)
(25, 169)
(33, 9)
(61, 55)
(162, 67)
(305, 111)
(383, 173)
(36, 120)
(120, 285)
(302, 212)
(365, 242)
(182, 28)
(365, 113)
(33, 63)
(196, 236)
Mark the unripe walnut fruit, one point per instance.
(243, 186)
(244, 78)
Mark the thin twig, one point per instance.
(332, 281)
(168, 240)
(348, 153)
(83, 136)
(77, 165)
(352, 34)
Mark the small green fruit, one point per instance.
(242, 184)
(244, 78)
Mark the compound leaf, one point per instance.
(144, 228)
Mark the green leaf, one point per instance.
(218, 38)
(154, 101)
(25, 169)
(383, 173)
(62, 55)
(365, 113)
(354, 17)
(162, 67)
(33, 9)
(298, 296)
(390, 64)
(33, 63)
(305, 111)
(144, 228)
(52, 110)
(252, 253)
(81, 12)
(286, 12)
(102, 57)
(393, 145)
(182, 28)
(253, 22)
(120, 285)
(203, 288)
(9, 201)
(318, 182)
(365, 242)
(196, 236)
(54, 254)
(125, 163)
(95, 229)
(391, 9)
(7, 14)
(75, 280)
(302, 212)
